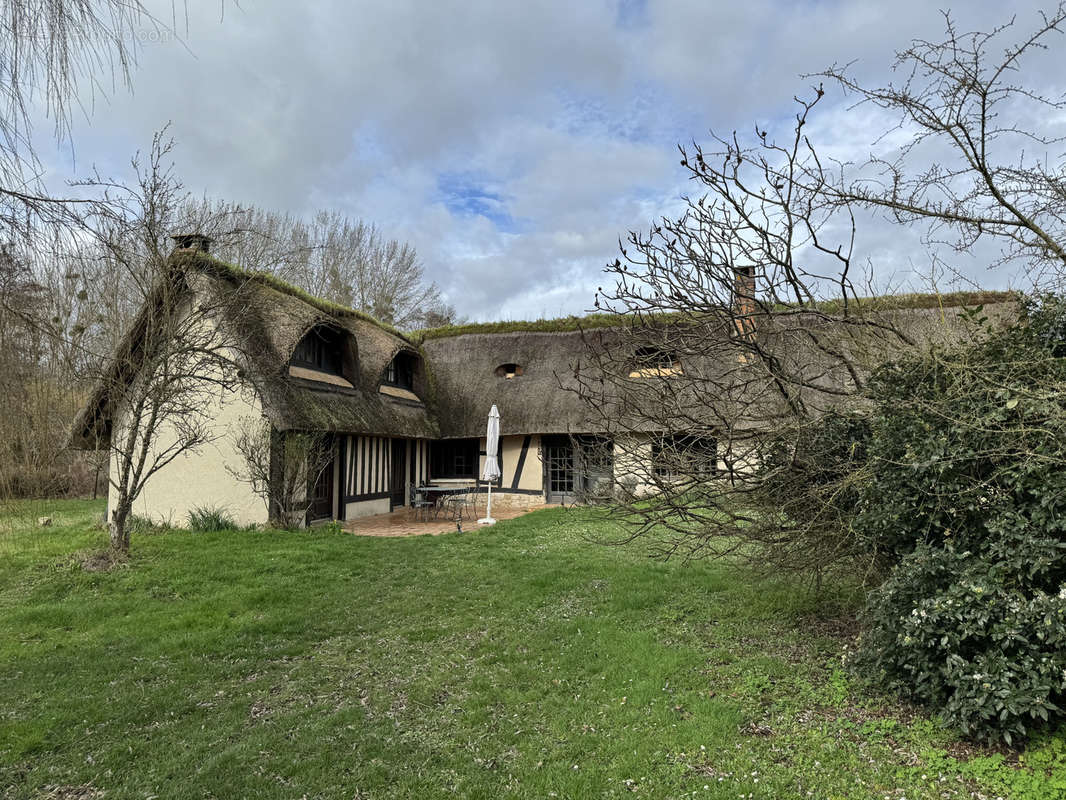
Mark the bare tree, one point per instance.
(50, 53)
(280, 467)
(177, 354)
(41, 326)
(982, 158)
(57, 58)
(740, 323)
(20, 355)
(737, 318)
(349, 262)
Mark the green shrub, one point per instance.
(966, 499)
(206, 519)
(961, 633)
(963, 437)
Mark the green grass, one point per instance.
(516, 661)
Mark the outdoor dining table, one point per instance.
(438, 494)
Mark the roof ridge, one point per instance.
(573, 323)
(208, 263)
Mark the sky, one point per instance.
(512, 143)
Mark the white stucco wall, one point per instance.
(200, 477)
(510, 452)
(633, 463)
(531, 479)
(632, 459)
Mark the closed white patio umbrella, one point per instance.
(492, 462)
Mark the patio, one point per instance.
(402, 522)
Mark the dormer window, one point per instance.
(404, 378)
(401, 371)
(319, 350)
(508, 371)
(325, 354)
(650, 362)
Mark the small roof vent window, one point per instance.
(192, 241)
(508, 371)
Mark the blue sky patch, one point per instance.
(469, 195)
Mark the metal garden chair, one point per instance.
(420, 503)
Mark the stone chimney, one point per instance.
(196, 242)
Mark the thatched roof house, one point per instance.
(399, 410)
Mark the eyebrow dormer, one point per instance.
(404, 376)
(509, 371)
(325, 354)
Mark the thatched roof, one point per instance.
(554, 356)
(540, 400)
(894, 302)
(461, 375)
(271, 320)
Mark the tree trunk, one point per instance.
(277, 513)
(120, 535)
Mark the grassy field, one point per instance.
(512, 662)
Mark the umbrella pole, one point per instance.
(487, 519)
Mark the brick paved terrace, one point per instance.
(403, 522)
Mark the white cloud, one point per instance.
(565, 120)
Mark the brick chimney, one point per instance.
(196, 242)
(744, 306)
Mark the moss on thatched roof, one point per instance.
(277, 317)
(461, 377)
(185, 259)
(906, 302)
(593, 321)
(543, 398)
(559, 325)
(467, 383)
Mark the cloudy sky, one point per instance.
(511, 142)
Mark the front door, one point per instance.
(398, 476)
(321, 466)
(558, 469)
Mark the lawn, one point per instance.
(517, 661)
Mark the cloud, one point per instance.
(512, 144)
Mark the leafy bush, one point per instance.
(965, 436)
(206, 519)
(966, 499)
(958, 632)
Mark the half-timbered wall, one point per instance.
(420, 462)
(368, 468)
